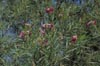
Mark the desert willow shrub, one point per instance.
(59, 35)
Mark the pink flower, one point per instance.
(49, 10)
(94, 22)
(88, 24)
(50, 26)
(43, 26)
(42, 31)
(47, 26)
(74, 38)
(91, 23)
(22, 34)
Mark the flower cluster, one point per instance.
(49, 26)
(22, 34)
(45, 27)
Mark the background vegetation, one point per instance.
(55, 46)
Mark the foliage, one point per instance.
(54, 48)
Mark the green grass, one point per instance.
(59, 50)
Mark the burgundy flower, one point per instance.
(49, 10)
(50, 26)
(74, 38)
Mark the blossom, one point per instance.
(42, 31)
(74, 38)
(50, 26)
(94, 22)
(49, 10)
(91, 23)
(88, 24)
(47, 26)
(22, 34)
